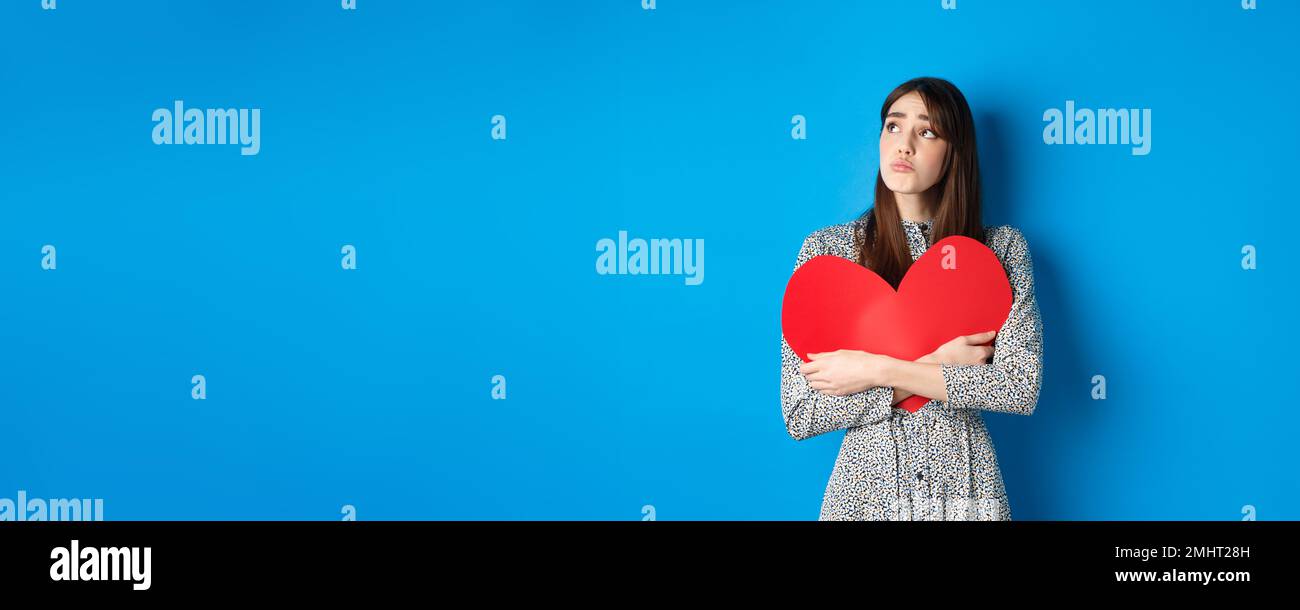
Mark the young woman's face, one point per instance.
(911, 154)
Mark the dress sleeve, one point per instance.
(1011, 383)
(810, 412)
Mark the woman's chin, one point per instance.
(906, 188)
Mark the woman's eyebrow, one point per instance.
(923, 117)
(902, 115)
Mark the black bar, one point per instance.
(366, 556)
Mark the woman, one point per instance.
(939, 462)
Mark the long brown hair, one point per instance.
(882, 243)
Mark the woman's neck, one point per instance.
(916, 207)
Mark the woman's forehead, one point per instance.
(909, 106)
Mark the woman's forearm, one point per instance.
(901, 394)
(924, 378)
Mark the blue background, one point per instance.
(476, 257)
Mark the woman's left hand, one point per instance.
(844, 371)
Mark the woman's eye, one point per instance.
(889, 127)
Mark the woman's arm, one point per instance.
(917, 377)
(1011, 383)
(808, 412)
(965, 349)
(901, 394)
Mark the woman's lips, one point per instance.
(899, 166)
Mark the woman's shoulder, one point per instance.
(1008, 243)
(836, 239)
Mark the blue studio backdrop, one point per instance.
(378, 299)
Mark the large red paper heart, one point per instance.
(957, 287)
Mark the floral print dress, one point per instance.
(938, 463)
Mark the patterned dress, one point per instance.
(938, 463)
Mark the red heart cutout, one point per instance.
(957, 287)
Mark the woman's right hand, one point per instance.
(966, 349)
